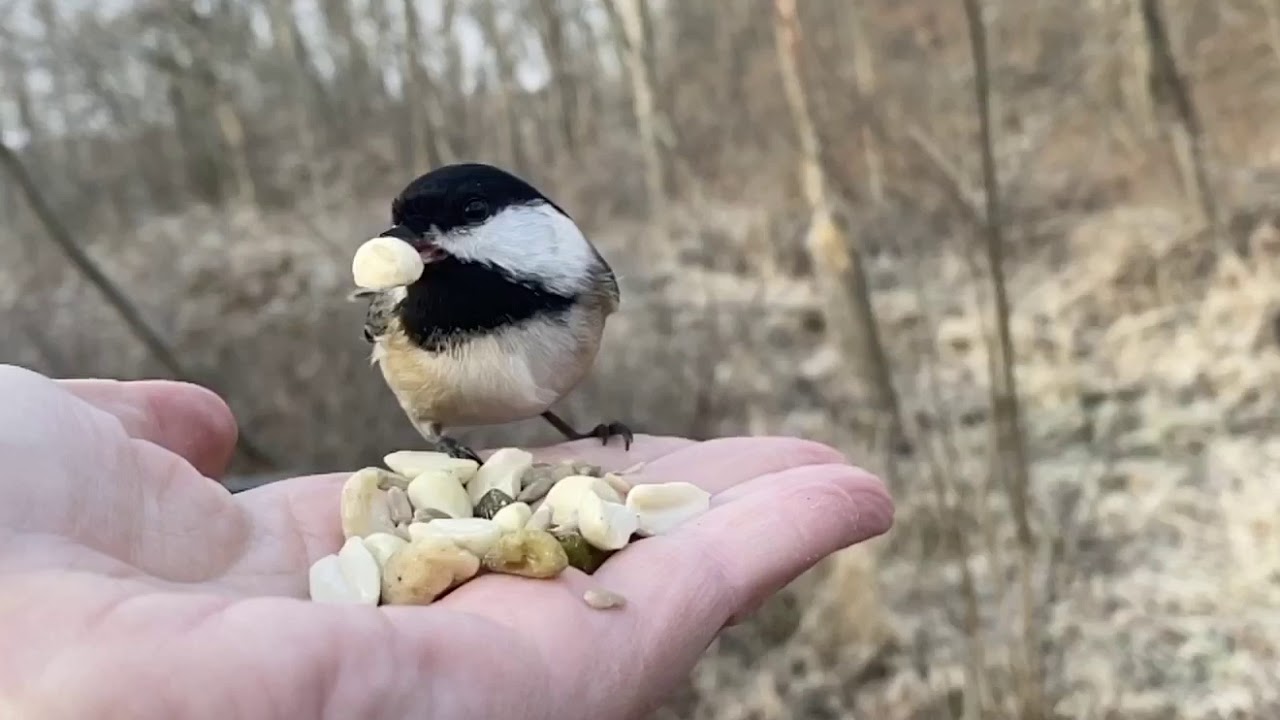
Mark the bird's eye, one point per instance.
(476, 210)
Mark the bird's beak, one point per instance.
(424, 244)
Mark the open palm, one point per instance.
(135, 586)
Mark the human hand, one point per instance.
(133, 585)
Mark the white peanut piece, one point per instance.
(566, 497)
(364, 508)
(618, 483)
(383, 545)
(660, 507)
(351, 576)
(385, 262)
(412, 463)
(328, 584)
(475, 535)
(361, 570)
(514, 516)
(502, 471)
(601, 599)
(440, 490)
(606, 525)
(540, 519)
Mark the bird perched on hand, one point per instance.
(507, 314)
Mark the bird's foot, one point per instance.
(451, 447)
(603, 431)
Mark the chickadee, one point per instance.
(507, 315)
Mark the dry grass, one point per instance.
(1152, 413)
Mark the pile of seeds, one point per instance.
(432, 522)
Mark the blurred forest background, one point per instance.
(1018, 256)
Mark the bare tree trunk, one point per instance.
(629, 17)
(295, 55)
(942, 460)
(132, 316)
(591, 108)
(865, 78)
(294, 62)
(18, 87)
(204, 178)
(354, 73)
(1170, 88)
(732, 52)
(418, 148)
(382, 50)
(588, 68)
(65, 153)
(487, 16)
(218, 167)
(231, 128)
(448, 119)
(206, 99)
(551, 30)
(1271, 8)
(1009, 439)
(837, 260)
(1136, 72)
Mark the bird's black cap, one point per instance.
(460, 195)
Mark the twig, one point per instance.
(1004, 387)
(132, 316)
(1165, 68)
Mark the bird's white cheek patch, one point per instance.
(531, 241)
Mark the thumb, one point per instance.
(183, 418)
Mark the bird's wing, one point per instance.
(611, 292)
(608, 283)
(380, 313)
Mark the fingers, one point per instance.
(713, 465)
(768, 533)
(682, 588)
(645, 448)
(717, 465)
(183, 418)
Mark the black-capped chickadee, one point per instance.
(507, 315)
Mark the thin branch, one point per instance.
(1010, 441)
(87, 267)
(1006, 379)
(1170, 80)
(833, 248)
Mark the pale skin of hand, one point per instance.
(133, 585)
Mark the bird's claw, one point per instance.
(452, 448)
(604, 431)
